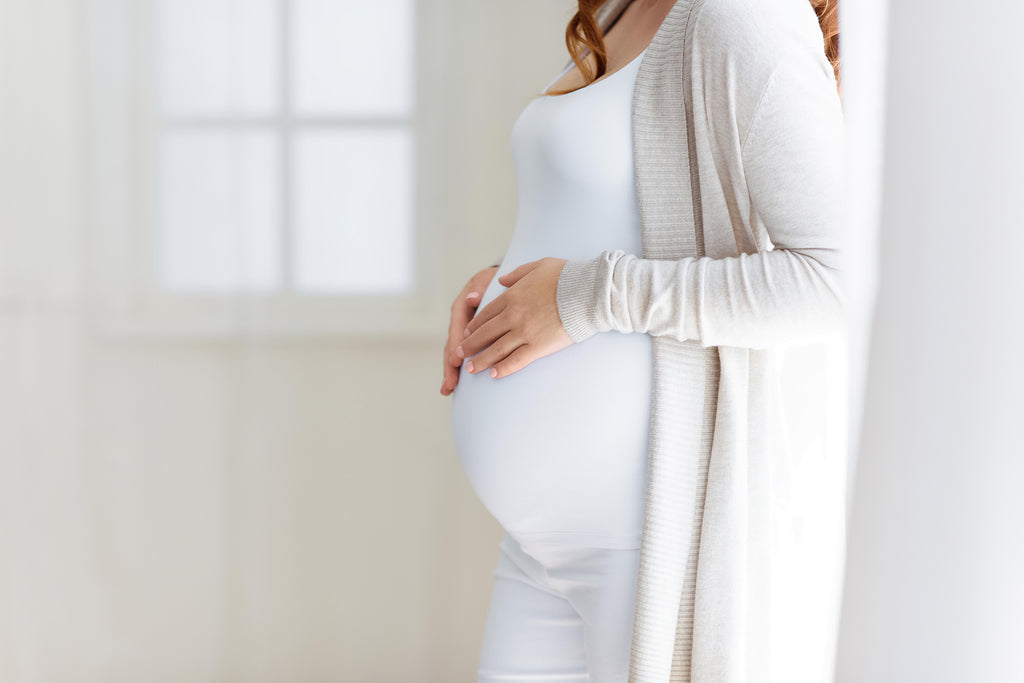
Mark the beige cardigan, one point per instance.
(738, 144)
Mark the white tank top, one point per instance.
(558, 450)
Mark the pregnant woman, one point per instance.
(616, 386)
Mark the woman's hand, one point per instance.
(463, 310)
(520, 325)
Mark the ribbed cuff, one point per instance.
(577, 297)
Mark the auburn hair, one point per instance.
(583, 33)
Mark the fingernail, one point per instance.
(458, 351)
(494, 372)
(465, 333)
(472, 294)
(469, 366)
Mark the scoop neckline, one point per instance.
(605, 78)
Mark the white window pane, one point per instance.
(353, 194)
(218, 205)
(218, 57)
(352, 57)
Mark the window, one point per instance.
(257, 167)
(285, 151)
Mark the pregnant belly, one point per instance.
(558, 449)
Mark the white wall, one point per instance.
(935, 576)
(238, 510)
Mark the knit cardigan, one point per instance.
(738, 145)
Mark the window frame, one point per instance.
(121, 175)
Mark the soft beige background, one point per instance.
(236, 510)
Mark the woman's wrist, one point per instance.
(576, 297)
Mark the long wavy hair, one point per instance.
(583, 33)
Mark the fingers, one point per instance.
(483, 335)
(484, 316)
(462, 311)
(495, 352)
(481, 281)
(450, 379)
(495, 338)
(523, 355)
(513, 276)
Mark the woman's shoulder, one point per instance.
(747, 39)
(737, 45)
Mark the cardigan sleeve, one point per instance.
(791, 291)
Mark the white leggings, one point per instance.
(559, 613)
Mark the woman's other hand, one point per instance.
(520, 325)
(463, 310)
